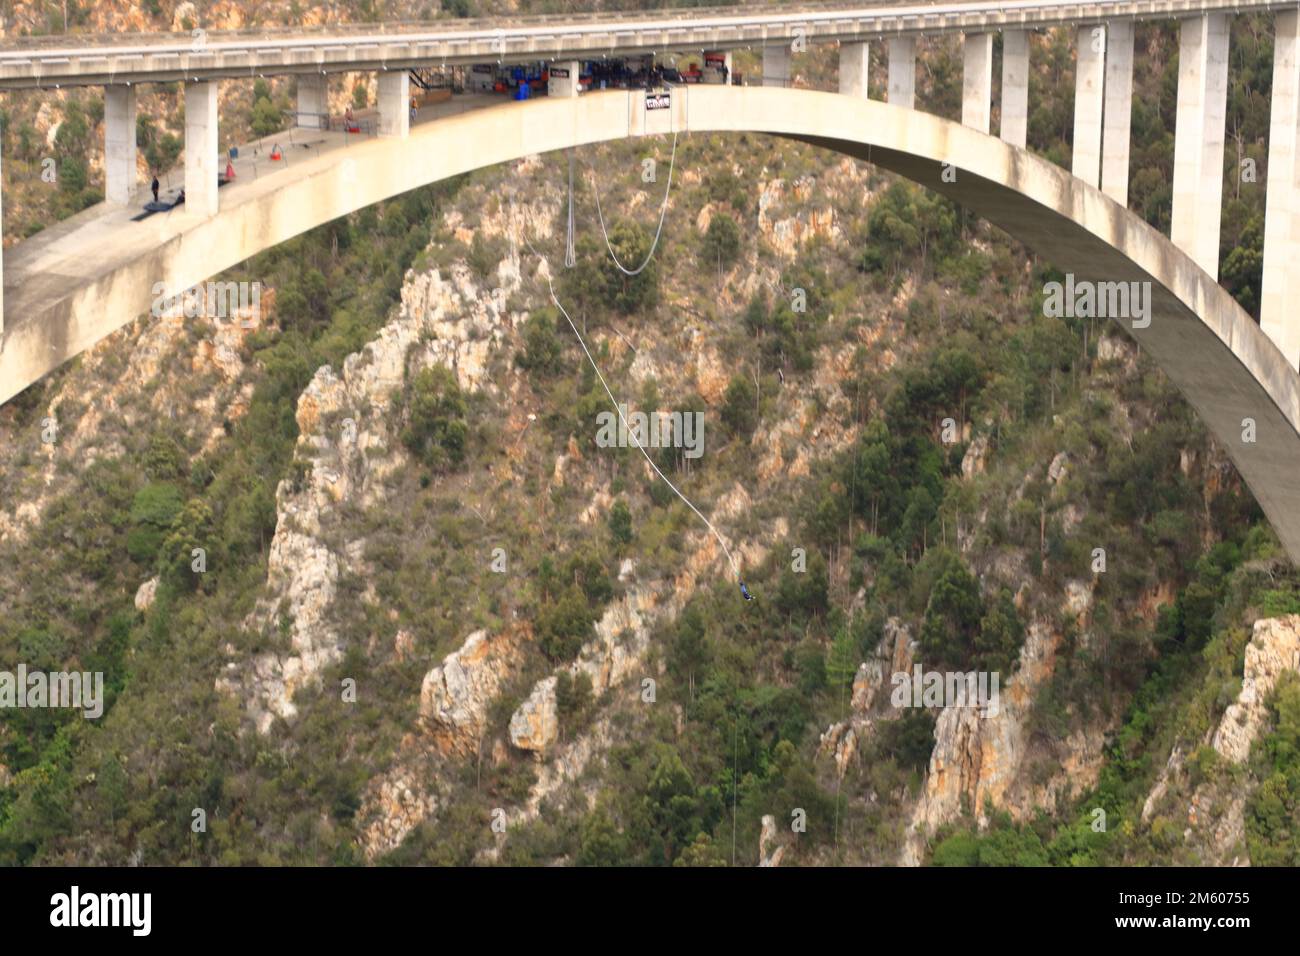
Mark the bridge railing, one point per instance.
(398, 27)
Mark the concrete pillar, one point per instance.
(562, 78)
(776, 65)
(902, 72)
(977, 80)
(313, 104)
(1198, 138)
(1279, 313)
(1089, 89)
(201, 145)
(1015, 87)
(855, 69)
(2, 257)
(1118, 114)
(394, 103)
(119, 144)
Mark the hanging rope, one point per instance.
(662, 212)
(619, 411)
(570, 250)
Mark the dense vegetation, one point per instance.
(888, 526)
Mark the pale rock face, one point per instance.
(1172, 767)
(973, 462)
(769, 855)
(1059, 468)
(395, 805)
(711, 374)
(787, 234)
(704, 218)
(185, 17)
(536, 725)
(456, 694)
(1115, 348)
(454, 701)
(870, 700)
(145, 594)
(983, 758)
(1078, 599)
(621, 640)
(1274, 648)
(345, 441)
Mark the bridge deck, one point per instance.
(52, 265)
(215, 55)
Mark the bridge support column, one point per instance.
(394, 103)
(313, 104)
(562, 79)
(902, 72)
(119, 144)
(1089, 86)
(1015, 87)
(1278, 315)
(1198, 138)
(1118, 115)
(201, 146)
(855, 69)
(776, 65)
(977, 80)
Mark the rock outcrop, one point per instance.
(536, 724)
(455, 695)
(977, 759)
(1274, 648)
(348, 452)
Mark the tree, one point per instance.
(573, 696)
(192, 529)
(721, 243)
(542, 352)
(154, 510)
(1001, 635)
(435, 430)
(629, 294)
(841, 661)
(266, 118)
(952, 617)
(620, 523)
(738, 412)
(703, 852)
(563, 625)
(600, 842)
(688, 650)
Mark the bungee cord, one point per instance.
(570, 248)
(663, 210)
(619, 411)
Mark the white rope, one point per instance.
(570, 249)
(663, 210)
(619, 410)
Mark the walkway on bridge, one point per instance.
(57, 261)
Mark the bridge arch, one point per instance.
(1212, 350)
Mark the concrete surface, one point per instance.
(1227, 368)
